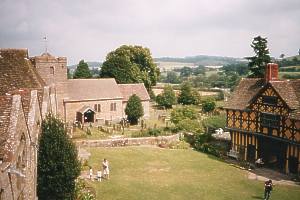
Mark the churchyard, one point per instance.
(157, 173)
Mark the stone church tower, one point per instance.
(53, 71)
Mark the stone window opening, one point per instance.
(52, 70)
(113, 106)
(97, 107)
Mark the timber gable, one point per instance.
(263, 118)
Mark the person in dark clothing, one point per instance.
(268, 189)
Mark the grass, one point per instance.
(154, 173)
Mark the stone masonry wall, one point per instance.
(71, 109)
(119, 142)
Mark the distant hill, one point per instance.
(90, 64)
(292, 57)
(202, 60)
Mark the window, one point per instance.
(52, 70)
(270, 120)
(271, 100)
(97, 107)
(113, 106)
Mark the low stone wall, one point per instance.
(119, 142)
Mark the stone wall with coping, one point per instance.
(120, 142)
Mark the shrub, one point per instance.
(214, 122)
(150, 132)
(190, 125)
(208, 106)
(82, 192)
(180, 114)
(179, 145)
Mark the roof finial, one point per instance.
(46, 45)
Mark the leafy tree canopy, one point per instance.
(131, 64)
(58, 166)
(208, 105)
(172, 77)
(167, 98)
(188, 95)
(186, 112)
(82, 70)
(134, 109)
(261, 58)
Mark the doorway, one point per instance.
(89, 116)
(272, 152)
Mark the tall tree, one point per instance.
(58, 166)
(188, 95)
(167, 98)
(82, 70)
(131, 64)
(261, 58)
(134, 109)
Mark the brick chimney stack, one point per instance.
(271, 72)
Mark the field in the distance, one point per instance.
(154, 173)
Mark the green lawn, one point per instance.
(143, 173)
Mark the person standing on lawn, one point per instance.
(91, 173)
(268, 189)
(105, 166)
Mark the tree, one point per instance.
(180, 114)
(258, 62)
(82, 70)
(134, 109)
(167, 98)
(172, 77)
(208, 105)
(188, 95)
(58, 166)
(131, 64)
(186, 71)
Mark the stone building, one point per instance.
(24, 101)
(32, 87)
(86, 100)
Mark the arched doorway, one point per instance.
(89, 116)
(85, 115)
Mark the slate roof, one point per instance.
(17, 71)
(139, 89)
(92, 89)
(248, 88)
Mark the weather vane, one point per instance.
(46, 47)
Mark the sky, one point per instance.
(90, 29)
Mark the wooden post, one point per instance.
(287, 160)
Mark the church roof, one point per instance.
(92, 89)
(139, 89)
(248, 88)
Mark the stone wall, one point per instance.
(71, 109)
(119, 142)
